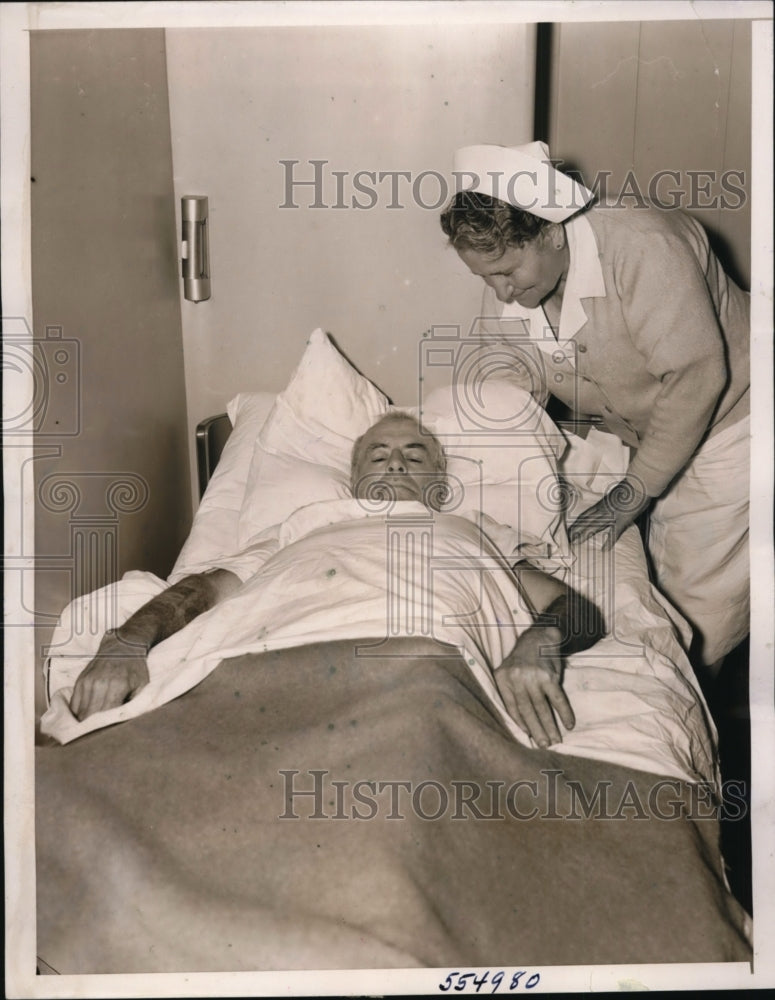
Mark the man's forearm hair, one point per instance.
(170, 611)
(579, 620)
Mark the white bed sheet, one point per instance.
(634, 696)
(216, 521)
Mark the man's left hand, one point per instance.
(529, 683)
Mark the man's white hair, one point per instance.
(434, 445)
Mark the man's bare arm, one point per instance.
(530, 677)
(119, 670)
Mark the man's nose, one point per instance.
(396, 461)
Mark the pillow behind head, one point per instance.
(303, 452)
(502, 451)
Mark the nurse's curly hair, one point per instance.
(487, 225)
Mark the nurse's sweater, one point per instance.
(653, 336)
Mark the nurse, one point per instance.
(625, 315)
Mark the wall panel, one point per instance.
(373, 99)
(656, 96)
(111, 466)
(594, 97)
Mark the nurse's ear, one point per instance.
(553, 236)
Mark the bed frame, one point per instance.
(211, 437)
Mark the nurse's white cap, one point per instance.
(522, 176)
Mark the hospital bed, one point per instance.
(307, 784)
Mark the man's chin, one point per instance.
(396, 488)
(404, 491)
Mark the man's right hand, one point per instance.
(115, 674)
(529, 681)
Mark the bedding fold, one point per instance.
(343, 572)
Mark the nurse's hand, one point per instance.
(613, 514)
(529, 683)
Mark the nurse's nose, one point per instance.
(396, 461)
(504, 289)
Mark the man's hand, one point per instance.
(119, 670)
(116, 673)
(529, 683)
(613, 514)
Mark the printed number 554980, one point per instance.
(459, 982)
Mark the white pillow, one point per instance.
(502, 451)
(302, 454)
(247, 412)
(216, 521)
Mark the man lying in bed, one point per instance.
(394, 458)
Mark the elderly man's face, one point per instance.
(394, 457)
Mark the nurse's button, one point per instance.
(558, 357)
(558, 377)
(582, 348)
